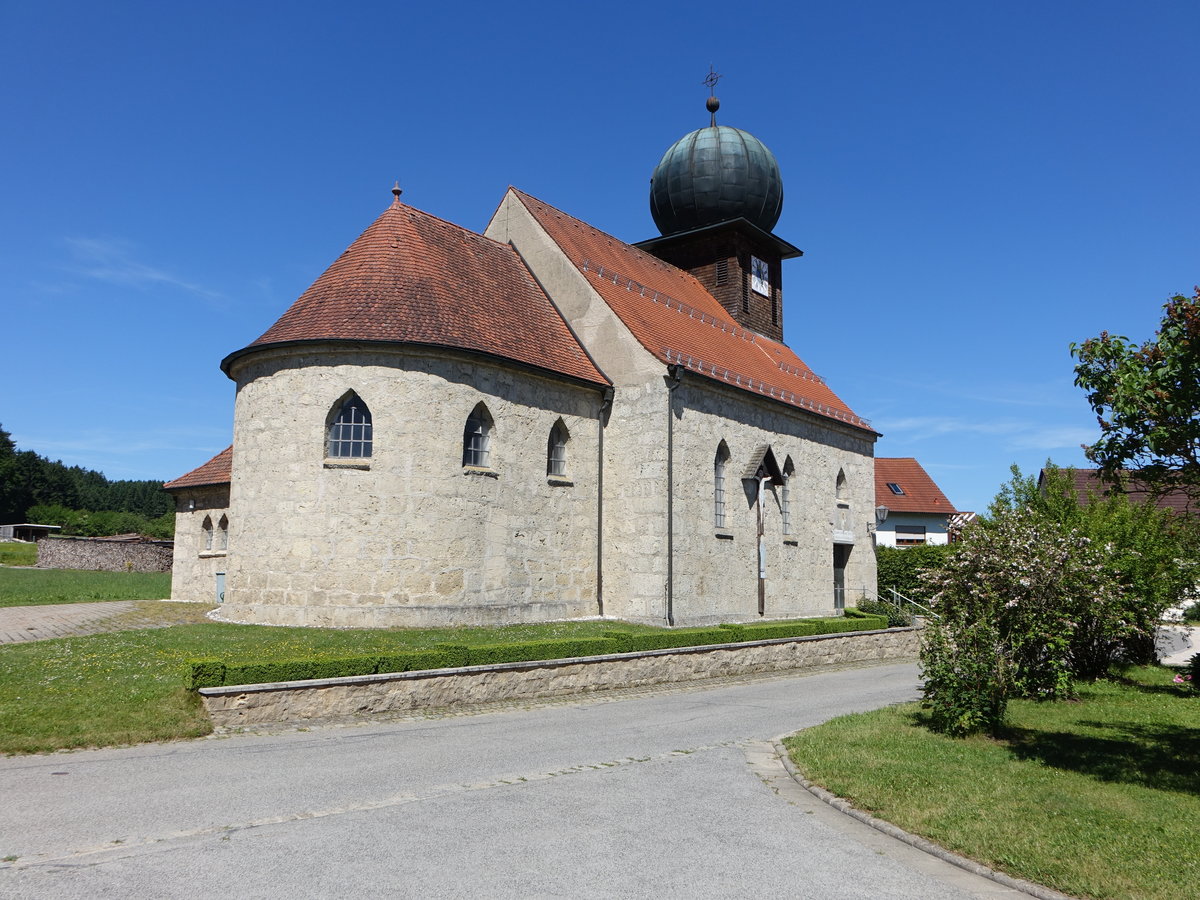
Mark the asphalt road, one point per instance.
(669, 794)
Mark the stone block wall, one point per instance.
(409, 536)
(201, 544)
(103, 555)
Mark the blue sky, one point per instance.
(975, 185)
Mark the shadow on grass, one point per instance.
(1162, 757)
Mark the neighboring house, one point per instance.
(917, 512)
(1087, 484)
(540, 422)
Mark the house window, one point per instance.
(477, 438)
(556, 450)
(223, 534)
(895, 489)
(720, 465)
(207, 530)
(910, 535)
(350, 430)
(785, 498)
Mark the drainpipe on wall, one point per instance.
(605, 406)
(674, 375)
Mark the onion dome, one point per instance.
(716, 174)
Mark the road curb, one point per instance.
(920, 843)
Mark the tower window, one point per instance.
(745, 293)
(477, 438)
(722, 271)
(720, 464)
(350, 430)
(556, 451)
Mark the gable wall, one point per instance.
(416, 539)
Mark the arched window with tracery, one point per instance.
(350, 434)
(556, 450)
(720, 470)
(477, 438)
(223, 533)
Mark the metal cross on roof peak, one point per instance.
(711, 79)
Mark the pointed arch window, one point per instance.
(842, 492)
(223, 534)
(351, 434)
(720, 469)
(207, 532)
(556, 450)
(477, 438)
(785, 496)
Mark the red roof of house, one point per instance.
(676, 319)
(920, 495)
(216, 471)
(412, 277)
(1087, 483)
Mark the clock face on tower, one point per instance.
(760, 276)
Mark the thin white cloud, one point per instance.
(1011, 434)
(114, 262)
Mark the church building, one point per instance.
(540, 422)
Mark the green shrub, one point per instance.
(1192, 614)
(528, 651)
(896, 617)
(906, 569)
(665, 640)
(767, 631)
(841, 624)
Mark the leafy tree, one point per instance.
(1147, 401)
(1149, 553)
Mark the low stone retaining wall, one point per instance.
(239, 706)
(104, 554)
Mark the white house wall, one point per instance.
(936, 527)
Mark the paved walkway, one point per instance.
(37, 623)
(1177, 644)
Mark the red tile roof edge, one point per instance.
(921, 492)
(217, 470)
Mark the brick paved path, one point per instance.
(37, 623)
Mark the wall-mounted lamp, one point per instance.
(881, 514)
(191, 504)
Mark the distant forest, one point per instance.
(83, 502)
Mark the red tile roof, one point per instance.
(677, 320)
(216, 471)
(1087, 483)
(412, 277)
(920, 495)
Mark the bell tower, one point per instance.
(715, 196)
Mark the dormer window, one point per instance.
(895, 489)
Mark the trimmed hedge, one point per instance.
(526, 651)
(202, 673)
(665, 640)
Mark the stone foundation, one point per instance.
(240, 706)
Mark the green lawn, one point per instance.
(34, 587)
(1097, 798)
(127, 687)
(12, 554)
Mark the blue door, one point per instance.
(220, 587)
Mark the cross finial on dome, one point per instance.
(712, 103)
(396, 192)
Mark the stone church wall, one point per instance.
(197, 559)
(98, 554)
(716, 569)
(410, 536)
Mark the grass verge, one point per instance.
(17, 554)
(127, 687)
(1095, 798)
(36, 587)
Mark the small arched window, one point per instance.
(207, 531)
(223, 533)
(842, 493)
(785, 499)
(720, 467)
(477, 438)
(556, 450)
(350, 430)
